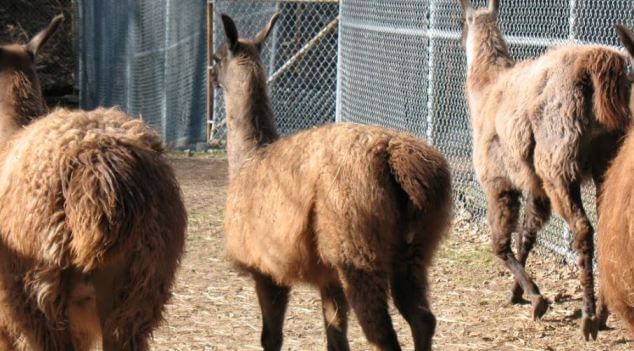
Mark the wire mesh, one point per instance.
(150, 59)
(401, 65)
(302, 87)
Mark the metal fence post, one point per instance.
(430, 71)
(339, 52)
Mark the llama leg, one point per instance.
(335, 310)
(367, 294)
(602, 312)
(115, 333)
(566, 199)
(536, 214)
(273, 300)
(409, 291)
(598, 176)
(502, 217)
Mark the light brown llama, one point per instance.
(616, 225)
(540, 128)
(91, 220)
(352, 210)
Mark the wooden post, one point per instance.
(210, 85)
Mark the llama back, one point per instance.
(89, 180)
(599, 70)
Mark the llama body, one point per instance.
(355, 211)
(336, 199)
(92, 223)
(616, 224)
(542, 127)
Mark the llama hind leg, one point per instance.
(273, 300)
(502, 216)
(536, 214)
(335, 310)
(567, 201)
(409, 291)
(367, 295)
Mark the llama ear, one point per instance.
(231, 32)
(40, 38)
(264, 33)
(627, 38)
(494, 7)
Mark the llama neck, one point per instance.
(20, 103)
(249, 120)
(487, 56)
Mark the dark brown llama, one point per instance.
(616, 225)
(540, 128)
(352, 210)
(92, 223)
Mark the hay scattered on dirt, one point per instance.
(216, 309)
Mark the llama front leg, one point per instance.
(335, 310)
(409, 291)
(536, 214)
(367, 295)
(273, 300)
(567, 201)
(502, 216)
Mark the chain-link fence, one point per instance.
(300, 57)
(149, 57)
(21, 20)
(402, 66)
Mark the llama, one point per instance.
(540, 128)
(352, 210)
(616, 225)
(92, 223)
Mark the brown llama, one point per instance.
(616, 225)
(91, 220)
(352, 210)
(540, 128)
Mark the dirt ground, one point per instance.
(214, 308)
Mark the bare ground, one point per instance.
(214, 308)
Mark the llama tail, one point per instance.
(124, 209)
(118, 194)
(421, 171)
(606, 70)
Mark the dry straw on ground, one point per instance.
(214, 308)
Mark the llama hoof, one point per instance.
(590, 327)
(540, 306)
(518, 300)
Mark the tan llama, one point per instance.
(353, 210)
(540, 128)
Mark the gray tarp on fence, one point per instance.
(148, 57)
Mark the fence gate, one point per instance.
(300, 57)
(401, 65)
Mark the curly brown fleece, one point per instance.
(92, 223)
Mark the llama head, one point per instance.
(238, 59)
(477, 21)
(627, 38)
(20, 93)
